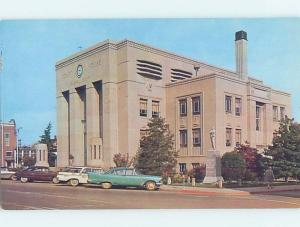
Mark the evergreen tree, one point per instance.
(51, 144)
(284, 154)
(46, 137)
(233, 166)
(156, 155)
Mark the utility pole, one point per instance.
(1, 112)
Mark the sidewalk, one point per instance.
(227, 191)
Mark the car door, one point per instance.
(118, 177)
(132, 178)
(83, 176)
(36, 174)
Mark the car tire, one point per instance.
(24, 179)
(14, 178)
(150, 186)
(55, 180)
(106, 185)
(74, 182)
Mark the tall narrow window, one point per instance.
(228, 104)
(238, 137)
(99, 151)
(182, 167)
(282, 113)
(6, 139)
(183, 107)
(196, 105)
(275, 113)
(91, 149)
(143, 107)
(40, 152)
(196, 137)
(228, 137)
(95, 148)
(183, 138)
(238, 106)
(155, 108)
(257, 114)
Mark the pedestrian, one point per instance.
(269, 177)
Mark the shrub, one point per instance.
(198, 173)
(233, 166)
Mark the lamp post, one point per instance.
(18, 129)
(196, 68)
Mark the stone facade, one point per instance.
(107, 93)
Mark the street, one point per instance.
(20, 196)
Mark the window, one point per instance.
(282, 113)
(44, 153)
(196, 105)
(9, 153)
(196, 165)
(143, 133)
(7, 139)
(120, 172)
(183, 107)
(99, 151)
(95, 151)
(183, 138)
(182, 167)
(275, 134)
(228, 137)
(228, 104)
(258, 118)
(129, 172)
(40, 155)
(197, 137)
(143, 107)
(238, 106)
(238, 137)
(155, 108)
(275, 113)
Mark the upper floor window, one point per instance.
(143, 133)
(282, 113)
(238, 137)
(155, 108)
(143, 107)
(196, 137)
(275, 113)
(7, 139)
(183, 138)
(258, 120)
(183, 107)
(9, 153)
(196, 105)
(228, 103)
(238, 106)
(228, 137)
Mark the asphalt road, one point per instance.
(16, 195)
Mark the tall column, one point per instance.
(251, 122)
(110, 123)
(76, 128)
(93, 124)
(268, 124)
(62, 130)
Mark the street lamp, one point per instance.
(196, 68)
(17, 134)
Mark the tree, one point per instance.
(233, 166)
(255, 167)
(156, 155)
(122, 160)
(284, 154)
(51, 144)
(46, 137)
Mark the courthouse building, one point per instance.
(107, 93)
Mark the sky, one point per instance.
(32, 47)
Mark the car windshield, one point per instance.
(72, 170)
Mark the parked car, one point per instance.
(7, 173)
(76, 175)
(127, 177)
(35, 173)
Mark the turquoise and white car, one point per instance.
(127, 177)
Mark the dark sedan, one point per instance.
(35, 173)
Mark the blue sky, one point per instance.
(31, 48)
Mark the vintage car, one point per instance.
(76, 175)
(7, 173)
(127, 177)
(35, 173)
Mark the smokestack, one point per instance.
(241, 53)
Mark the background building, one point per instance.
(107, 93)
(8, 143)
